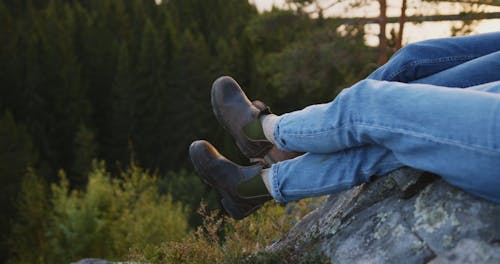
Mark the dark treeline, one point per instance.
(114, 80)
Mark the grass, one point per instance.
(221, 239)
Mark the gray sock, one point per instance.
(268, 123)
(266, 180)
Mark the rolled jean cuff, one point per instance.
(278, 141)
(275, 188)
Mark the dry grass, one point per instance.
(224, 240)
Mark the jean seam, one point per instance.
(414, 63)
(275, 189)
(468, 84)
(315, 190)
(441, 140)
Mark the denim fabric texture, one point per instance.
(434, 106)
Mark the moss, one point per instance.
(448, 241)
(433, 217)
(418, 246)
(429, 215)
(398, 230)
(389, 183)
(381, 229)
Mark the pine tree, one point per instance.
(16, 154)
(148, 95)
(120, 118)
(85, 152)
(8, 40)
(28, 241)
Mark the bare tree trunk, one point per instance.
(402, 21)
(382, 54)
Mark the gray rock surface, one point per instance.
(92, 261)
(470, 251)
(405, 217)
(101, 261)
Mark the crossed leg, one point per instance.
(375, 126)
(422, 59)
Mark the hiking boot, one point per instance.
(236, 114)
(227, 178)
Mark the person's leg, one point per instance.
(288, 177)
(481, 70)
(380, 105)
(451, 132)
(317, 174)
(422, 59)
(329, 173)
(344, 169)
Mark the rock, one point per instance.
(101, 261)
(470, 251)
(92, 261)
(405, 217)
(410, 181)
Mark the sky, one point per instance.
(413, 32)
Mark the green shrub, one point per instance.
(29, 237)
(223, 240)
(187, 188)
(125, 218)
(103, 221)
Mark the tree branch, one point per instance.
(419, 19)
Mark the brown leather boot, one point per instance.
(226, 177)
(234, 112)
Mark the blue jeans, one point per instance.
(409, 112)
